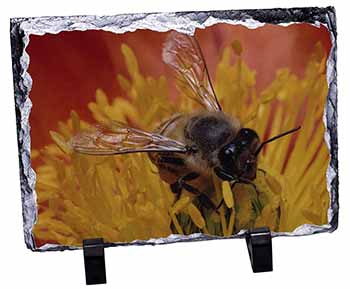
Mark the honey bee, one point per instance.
(188, 148)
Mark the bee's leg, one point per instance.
(263, 171)
(177, 187)
(223, 175)
(207, 202)
(171, 160)
(220, 204)
(182, 184)
(203, 198)
(248, 182)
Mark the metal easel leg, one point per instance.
(94, 260)
(259, 243)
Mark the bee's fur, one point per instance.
(206, 132)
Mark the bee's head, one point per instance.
(238, 158)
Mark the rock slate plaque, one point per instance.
(166, 127)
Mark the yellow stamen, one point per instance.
(176, 223)
(61, 143)
(231, 222)
(196, 216)
(223, 221)
(227, 194)
(181, 204)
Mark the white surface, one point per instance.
(318, 261)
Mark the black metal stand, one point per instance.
(94, 260)
(259, 245)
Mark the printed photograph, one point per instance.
(146, 134)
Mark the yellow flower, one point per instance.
(122, 198)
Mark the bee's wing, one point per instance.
(183, 54)
(121, 139)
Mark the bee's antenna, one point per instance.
(274, 138)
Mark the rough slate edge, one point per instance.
(185, 22)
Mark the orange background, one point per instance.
(66, 68)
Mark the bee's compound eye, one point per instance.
(227, 156)
(248, 133)
(249, 165)
(229, 151)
